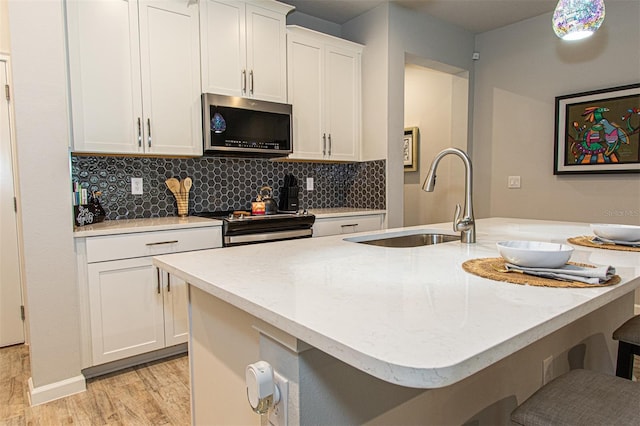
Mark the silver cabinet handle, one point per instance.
(169, 283)
(251, 82)
(324, 144)
(149, 133)
(139, 133)
(244, 81)
(158, 275)
(329, 144)
(162, 242)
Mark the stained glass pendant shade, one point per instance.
(577, 19)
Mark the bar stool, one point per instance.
(628, 337)
(581, 397)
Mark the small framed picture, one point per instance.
(410, 149)
(598, 131)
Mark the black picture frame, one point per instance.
(598, 131)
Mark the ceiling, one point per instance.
(476, 16)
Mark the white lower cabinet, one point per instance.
(176, 314)
(132, 307)
(347, 224)
(127, 312)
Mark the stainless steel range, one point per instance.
(242, 228)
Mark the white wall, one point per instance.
(39, 77)
(522, 68)
(417, 36)
(372, 29)
(390, 33)
(5, 46)
(313, 23)
(435, 102)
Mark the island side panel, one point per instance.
(489, 396)
(325, 390)
(222, 343)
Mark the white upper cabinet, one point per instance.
(170, 62)
(135, 76)
(243, 48)
(324, 87)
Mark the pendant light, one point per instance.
(577, 19)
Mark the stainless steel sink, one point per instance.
(409, 240)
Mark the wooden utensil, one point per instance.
(173, 185)
(187, 183)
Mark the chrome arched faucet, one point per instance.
(465, 225)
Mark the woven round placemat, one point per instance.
(492, 268)
(586, 242)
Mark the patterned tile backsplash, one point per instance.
(223, 183)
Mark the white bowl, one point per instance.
(535, 254)
(616, 232)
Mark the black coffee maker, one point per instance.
(289, 194)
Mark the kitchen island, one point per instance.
(369, 334)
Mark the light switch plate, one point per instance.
(513, 182)
(136, 186)
(309, 184)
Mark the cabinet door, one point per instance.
(342, 103)
(266, 54)
(104, 61)
(223, 47)
(170, 64)
(347, 225)
(305, 78)
(176, 317)
(125, 300)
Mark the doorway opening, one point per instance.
(436, 101)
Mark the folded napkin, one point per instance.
(597, 275)
(600, 240)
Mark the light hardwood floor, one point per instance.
(150, 394)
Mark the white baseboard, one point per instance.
(56, 390)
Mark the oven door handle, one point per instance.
(267, 236)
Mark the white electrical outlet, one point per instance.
(136, 186)
(547, 370)
(309, 184)
(513, 182)
(278, 413)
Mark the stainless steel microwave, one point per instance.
(234, 126)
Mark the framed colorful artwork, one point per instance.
(410, 147)
(598, 131)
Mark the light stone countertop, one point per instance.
(128, 226)
(343, 211)
(409, 316)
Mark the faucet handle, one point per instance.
(456, 217)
